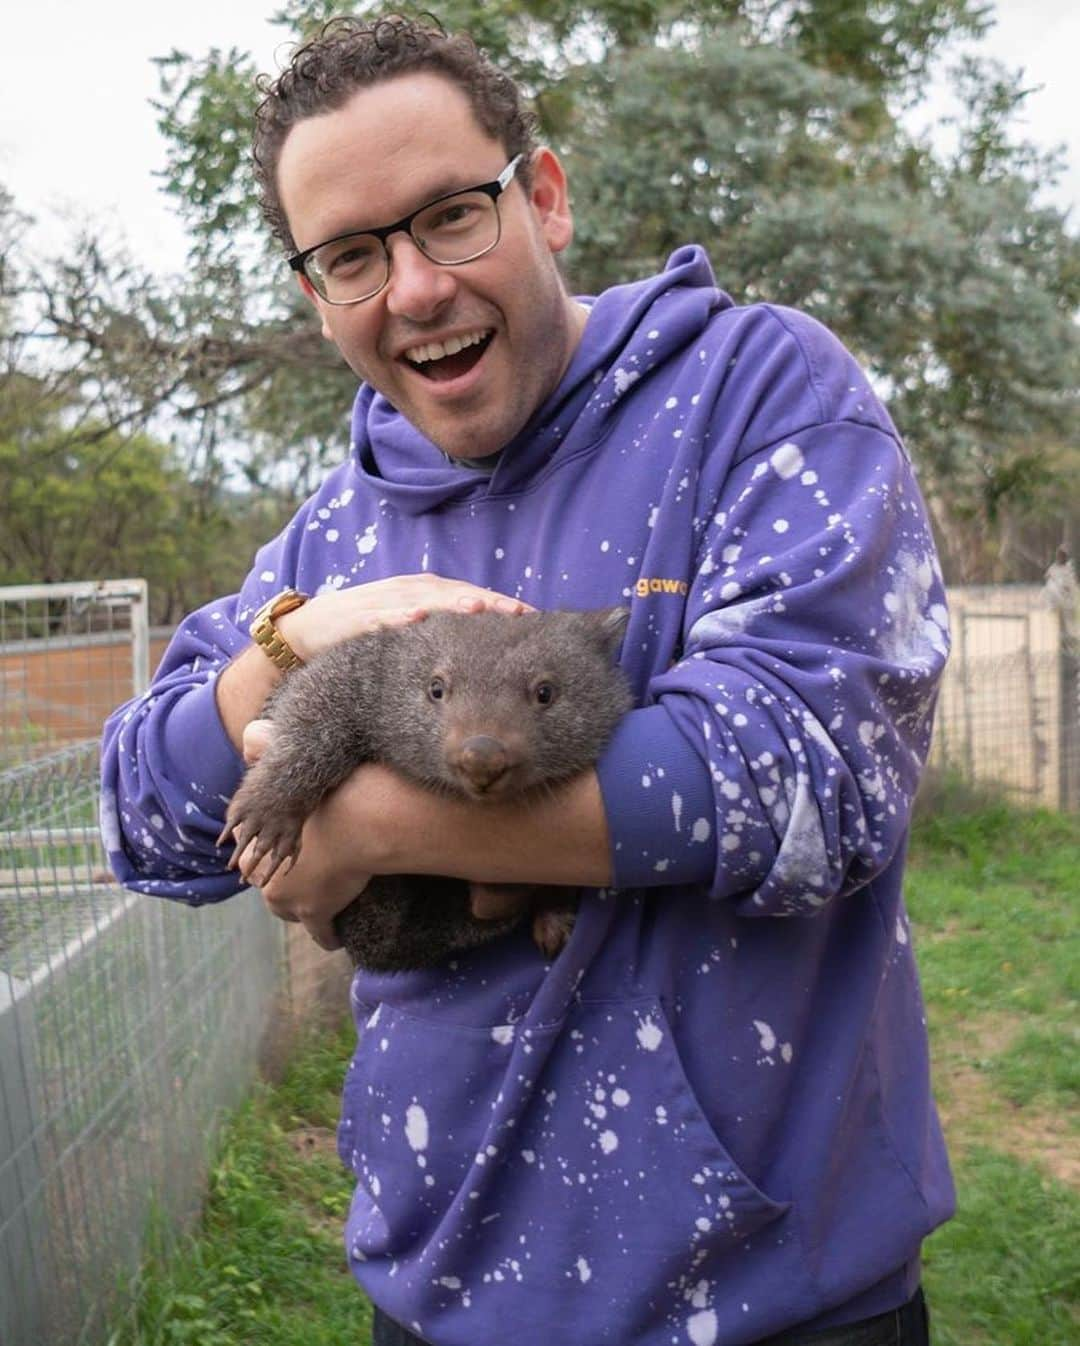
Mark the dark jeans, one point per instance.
(906, 1326)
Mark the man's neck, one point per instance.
(485, 465)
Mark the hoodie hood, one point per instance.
(415, 475)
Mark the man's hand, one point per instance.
(331, 618)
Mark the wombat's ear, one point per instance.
(609, 625)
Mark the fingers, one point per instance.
(489, 601)
(492, 902)
(256, 739)
(259, 862)
(321, 931)
(316, 914)
(335, 616)
(409, 598)
(404, 615)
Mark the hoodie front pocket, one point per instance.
(649, 1148)
(583, 1134)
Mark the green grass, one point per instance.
(993, 895)
(266, 1264)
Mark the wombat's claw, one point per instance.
(551, 931)
(279, 840)
(240, 831)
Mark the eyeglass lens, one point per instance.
(455, 230)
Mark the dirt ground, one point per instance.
(973, 1113)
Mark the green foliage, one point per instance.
(85, 490)
(884, 46)
(754, 127)
(80, 504)
(205, 116)
(994, 891)
(311, 1090)
(79, 501)
(950, 283)
(1042, 1065)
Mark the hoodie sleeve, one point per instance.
(168, 768)
(815, 633)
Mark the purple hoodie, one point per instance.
(709, 1119)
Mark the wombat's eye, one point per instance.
(436, 689)
(544, 693)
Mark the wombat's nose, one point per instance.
(483, 760)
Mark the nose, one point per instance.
(418, 287)
(483, 761)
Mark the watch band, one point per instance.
(265, 634)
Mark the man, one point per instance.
(708, 1120)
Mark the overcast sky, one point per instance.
(78, 138)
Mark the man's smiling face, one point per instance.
(467, 353)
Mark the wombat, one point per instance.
(482, 706)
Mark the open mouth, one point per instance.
(443, 361)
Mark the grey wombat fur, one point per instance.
(481, 706)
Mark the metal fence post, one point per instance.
(1069, 707)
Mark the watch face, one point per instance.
(286, 601)
(278, 605)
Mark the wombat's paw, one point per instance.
(551, 931)
(271, 831)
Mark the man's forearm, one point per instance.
(558, 837)
(241, 690)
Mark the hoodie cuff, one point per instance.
(658, 797)
(198, 748)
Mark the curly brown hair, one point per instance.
(350, 54)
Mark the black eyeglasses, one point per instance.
(449, 230)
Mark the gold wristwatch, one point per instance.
(266, 635)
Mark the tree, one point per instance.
(111, 505)
(82, 494)
(955, 288)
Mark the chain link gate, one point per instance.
(1008, 716)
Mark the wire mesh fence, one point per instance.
(1009, 712)
(127, 1025)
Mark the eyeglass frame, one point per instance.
(493, 189)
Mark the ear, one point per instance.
(609, 626)
(309, 294)
(549, 197)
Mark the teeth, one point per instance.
(438, 350)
